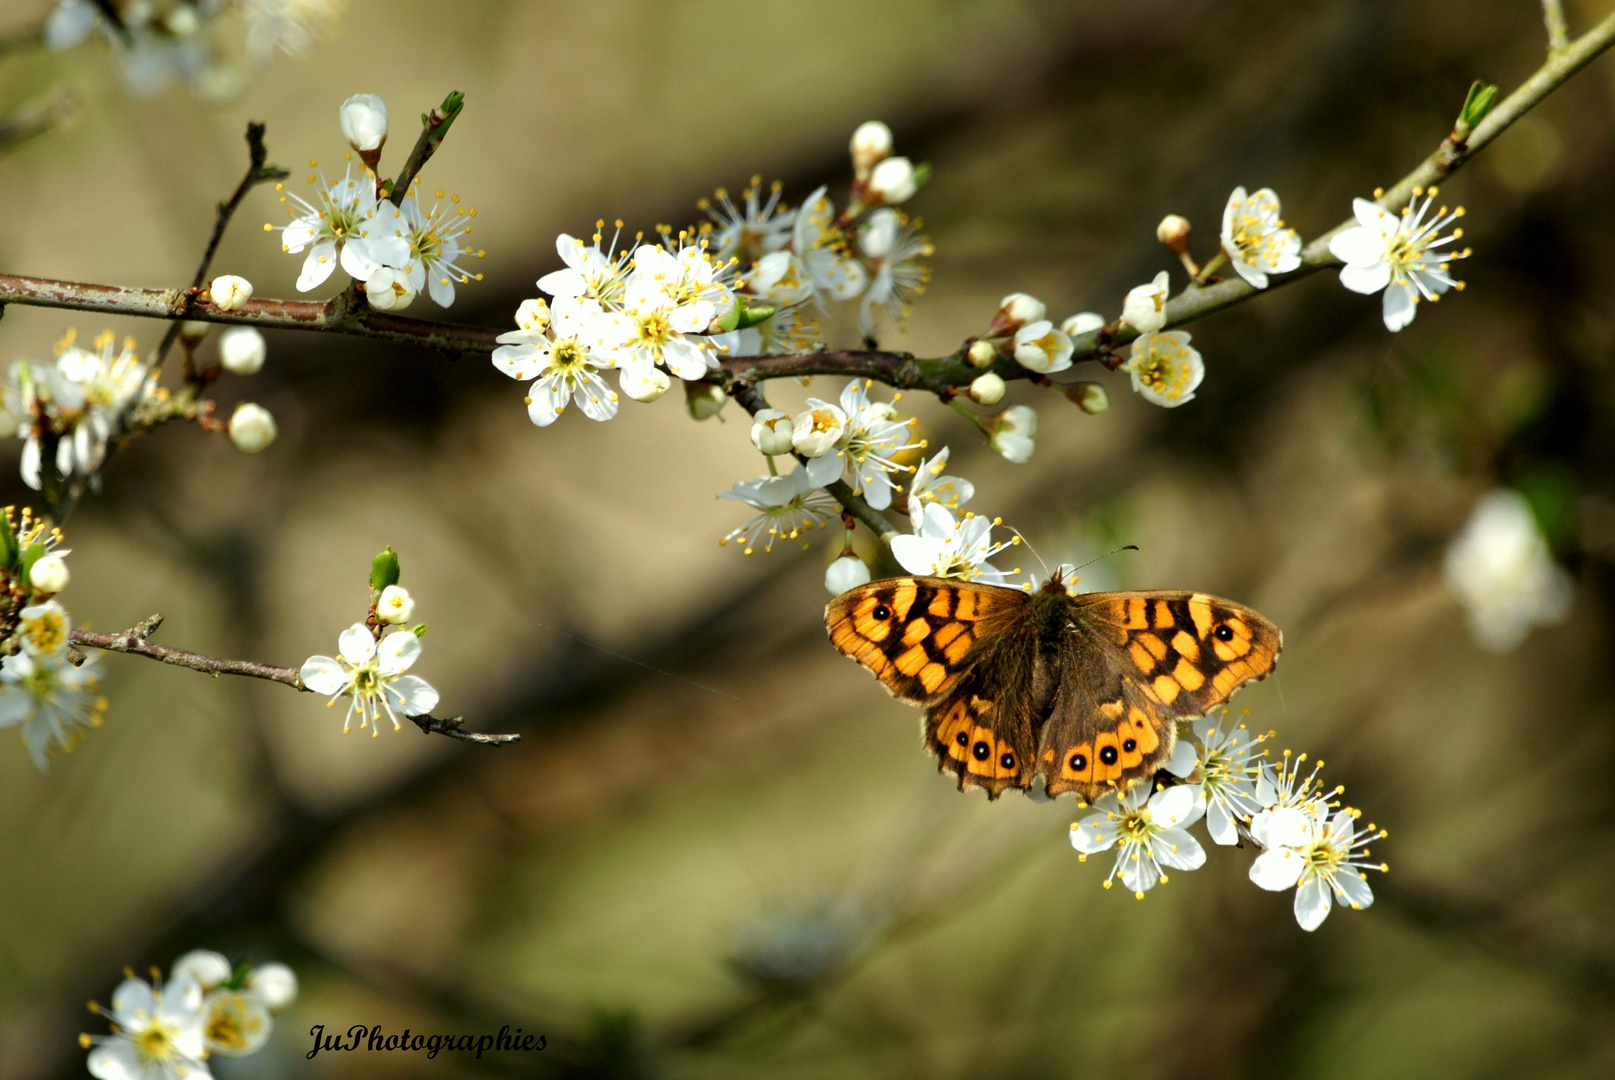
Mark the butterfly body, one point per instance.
(1085, 691)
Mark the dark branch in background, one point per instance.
(134, 641)
(24, 124)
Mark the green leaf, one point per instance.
(9, 551)
(1482, 96)
(753, 315)
(384, 569)
(30, 555)
(922, 173)
(238, 977)
(419, 630)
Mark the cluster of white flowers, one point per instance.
(211, 46)
(374, 657)
(44, 694)
(1501, 571)
(167, 1029)
(1308, 840)
(395, 249)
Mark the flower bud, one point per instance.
(207, 967)
(981, 353)
(1090, 397)
(1041, 348)
(846, 571)
(252, 428)
(275, 983)
(49, 574)
(1145, 307)
(1173, 231)
(395, 605)
(364, 123)
(181, 21)
(242, 350)
(643, 382)
(771, 431)
(192, 331)
(871, 144)
(988, 389)
(893, 181)
(389, 290)
(703, 399)
(1012, 433)
(1083, 322)
(229, 292)
(1015, 311)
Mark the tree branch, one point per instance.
(37, 118)
(134, 642)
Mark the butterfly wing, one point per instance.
(919, 635)
(1134, 664)
(967, 653)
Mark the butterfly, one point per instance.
(1083, 690)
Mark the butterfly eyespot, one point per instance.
(1078, 763)
(962, 739)
(1224, 632)
(1130, 745)
(883, 612)
(1108, 755)
(982, 751)
(1007, 761)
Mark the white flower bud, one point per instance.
(242, 350)
(981, 353)
(364, 121)
(395, 605)
(846, 571)
(871, 144)
(771, 431)
(1090, 397)
(389, 290)
(1083, 322)
(1013, 431)
(229, 292)
(988, 389)
(207, 967)
(643, 382)
(49, 574)
(181, 21)
(816, 431)
(1145, 307)
(704, 399)
(1173, 231)
(275, 983)
(252, 428)
(192, 331)
(1018, 309)
(892, 181)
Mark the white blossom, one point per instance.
(157, 1033)
(252, 428)
(846, 571)
(390, 289)
(562, 352)
(790, 505)
(591, 272)
(821, 249)
(373, 676)
(84, 397)
(1017, 310)
(666, 307)
(943, 546)
(1255, 237)
(894, 250)
(235, 1024)
(818, 429)
(206, 967)
(433, 241)
(1230, 770)
(275, 983)
(1013, 432)
(867, 447)
(49, 700)
(43, 629)
(1165, 368)
(1323, 859)
(48, 575)
(340, 225)
(987, 388)
(755, 228)
(1147, 831)
(1399, 253)
(772, 431)
(871, 144)
(395, 605)
(1500, 569)
(1083, 322)
(363, 118)
(644, 383)
(893, 181)
(930, 485)
(1041, 348)
(242, 350)
(1145, 307)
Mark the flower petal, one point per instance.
(357, 645)
(1278, 869)
(1312, 903)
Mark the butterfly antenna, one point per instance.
(1030, 548)
(1108, 554)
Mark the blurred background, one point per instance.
(720, 849)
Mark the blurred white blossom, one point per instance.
(1013, 433)
(1499, 568)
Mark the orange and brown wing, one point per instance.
(982, 732)
(1134, 665)
(919, 634)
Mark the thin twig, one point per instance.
(433, 127)
(37, 118)
(1553, 13)
(134, 642)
